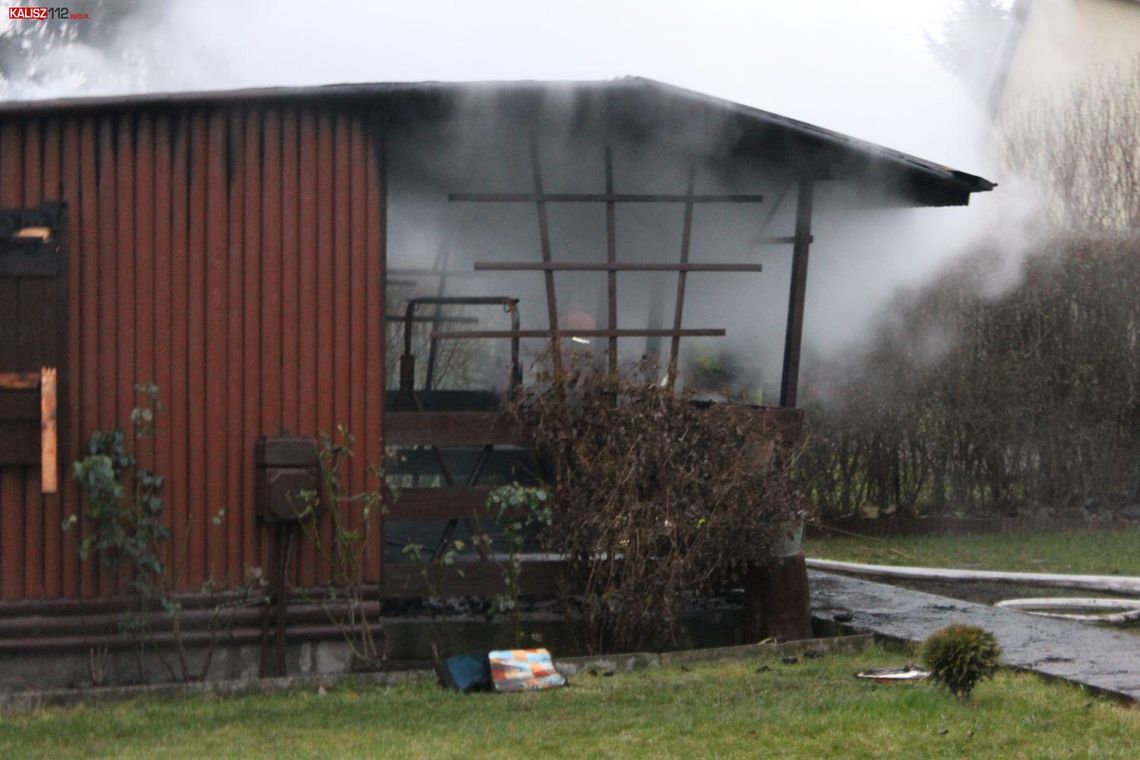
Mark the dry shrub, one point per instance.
(656, 496)
(1079, 150)
(1029, 400)
(971, 400)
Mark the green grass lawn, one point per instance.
(812, 709)
(1105, 552)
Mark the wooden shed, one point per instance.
(231, 248)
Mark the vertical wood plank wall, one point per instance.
(233, 256)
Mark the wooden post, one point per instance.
(611, 258)
(679, 305)
(49, 446)
(547, 256)
(777, 602)
(789, 383)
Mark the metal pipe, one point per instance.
(407, 361)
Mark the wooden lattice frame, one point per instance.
(548, 266)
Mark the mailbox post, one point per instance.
(288, 467)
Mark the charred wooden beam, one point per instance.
(404, 580)
(544, 241)
(569, 332)
(441, 320)
(609, 266)
(405, 272)
(683, 268)
(600, 198)
(449, 429)
(439, 503)
(503, 301)
(789, 383)
(611, 259)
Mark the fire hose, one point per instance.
(1075, 608)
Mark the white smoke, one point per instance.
(861, 68)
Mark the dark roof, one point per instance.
(643, 106)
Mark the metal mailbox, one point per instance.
(287, 466)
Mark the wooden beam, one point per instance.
(544, 241)
(608, 266)
(449, 429)
(405, 272)
(540, 197)
(567, 333)
(439, 503)
(789, 382)
(400, 319)
(611, 260)
(679, 303)
(403, 580)
(16, 381)
(444, 503)
(49, 439)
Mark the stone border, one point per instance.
(624, 663)
(21, 702)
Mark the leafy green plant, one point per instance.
(960, 656)
(128, 528)
(125, 507)
(518, 511)
(351, 516)
(435, 568)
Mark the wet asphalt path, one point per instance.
(1097, 657)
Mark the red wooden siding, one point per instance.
(232, 255)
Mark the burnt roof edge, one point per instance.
(956, 186)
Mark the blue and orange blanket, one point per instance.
(501, 670)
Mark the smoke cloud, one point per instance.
(864, 69)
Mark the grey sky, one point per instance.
(858, 66)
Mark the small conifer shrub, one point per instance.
(959, 656)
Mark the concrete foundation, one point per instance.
(407, 642)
